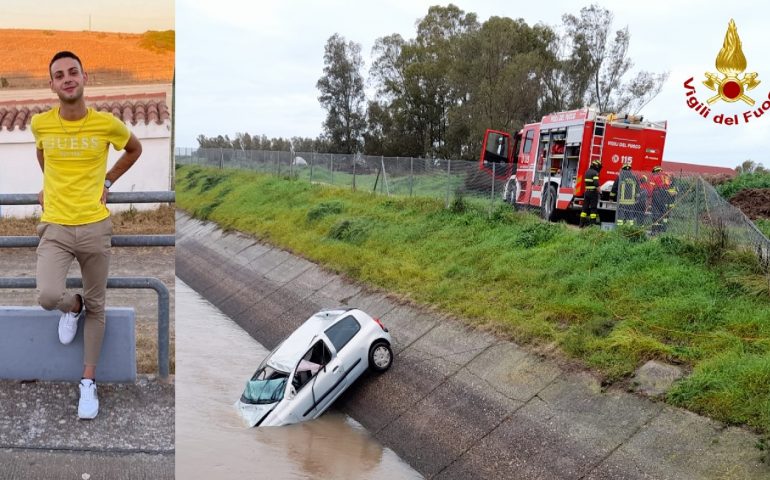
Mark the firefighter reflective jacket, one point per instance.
(626, 188)
(592, 179)
(661, 180)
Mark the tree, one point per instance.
(501, 68)
(396, 117)
(342, 94)
(214, 142)
(437, 45)
(388, 135)
(415, 91)
(750, 166)
(596, 66)
(303, 144)
(243, 141)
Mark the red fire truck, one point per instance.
(543, 164)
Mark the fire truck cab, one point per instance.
(544, 163)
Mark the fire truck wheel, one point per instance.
(511, 192)
(548, 207)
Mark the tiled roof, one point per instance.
(133, 110)
(679, 167)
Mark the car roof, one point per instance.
(289, 353)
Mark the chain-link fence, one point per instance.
(684, 206)
(403, 176)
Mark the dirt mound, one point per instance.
(754, 202)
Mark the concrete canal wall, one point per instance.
(460, 403)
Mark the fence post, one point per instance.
(312, 161)
(278, 162)
(448, 182)
(382, 166)
(291, 165)
(331, 169)
(492, 197)
(355, 160)
(411, 174)
(221, 159)
(697, 206)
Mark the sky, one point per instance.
(84, 15)
(252, 66)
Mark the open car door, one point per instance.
(498, 154)
(304, 392)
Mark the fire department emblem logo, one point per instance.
(731, 62)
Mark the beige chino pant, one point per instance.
(90, 245)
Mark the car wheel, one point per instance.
(380, 356)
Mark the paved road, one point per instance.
(460, 403)
(42, 438)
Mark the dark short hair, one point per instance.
(64, 54)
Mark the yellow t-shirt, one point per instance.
(75, 164)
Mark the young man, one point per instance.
(72, 145)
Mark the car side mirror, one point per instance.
(292, 393)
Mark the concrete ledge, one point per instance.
(30, 347)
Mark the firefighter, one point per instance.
(642, 203)
(663, 194)
(626, 192)
(590, 213)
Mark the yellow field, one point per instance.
(109, 58)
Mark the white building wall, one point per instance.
(20, 172)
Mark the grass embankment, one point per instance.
(611, 301)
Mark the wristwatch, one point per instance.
(107, 183)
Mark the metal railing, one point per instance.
(112, 282)
(123, 282)
(112, 197)
(695, 211)
(20, 241)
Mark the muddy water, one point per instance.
(214, 358)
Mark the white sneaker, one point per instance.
(68, 323)
(88, 406)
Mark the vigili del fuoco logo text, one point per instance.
(730, 85)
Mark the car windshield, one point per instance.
(266, 386)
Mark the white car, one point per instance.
(306, 373)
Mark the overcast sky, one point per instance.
(77, 15)
(252, 66)
(246, 66)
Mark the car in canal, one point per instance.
(311, 368)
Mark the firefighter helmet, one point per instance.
(644, 179)
(656, 169)
(626, 166)
(596, 163)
